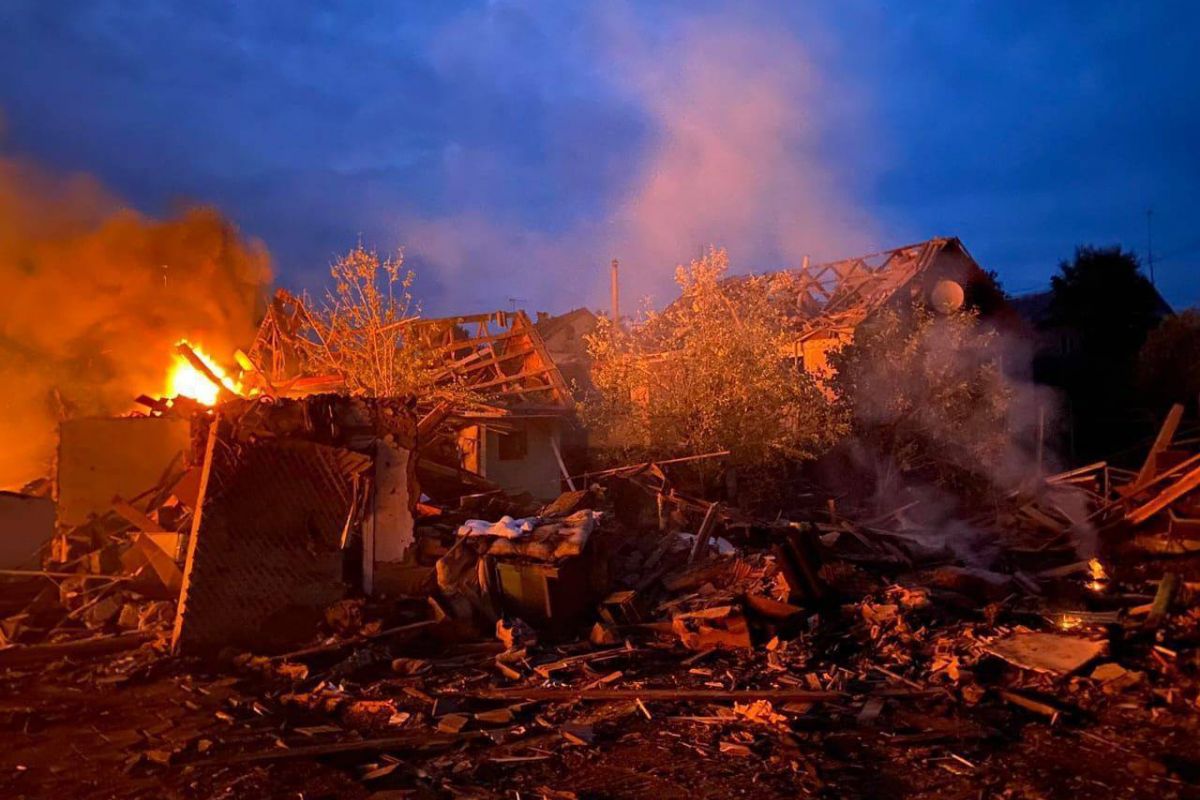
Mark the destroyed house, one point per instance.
(824, 303)
(565, 338)
(507, 435)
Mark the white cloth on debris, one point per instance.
(506, 527)
(723, 545)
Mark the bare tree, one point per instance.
(364, 330)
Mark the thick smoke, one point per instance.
(737, 153)
(916, 382)
(739, 160)
(93, 297)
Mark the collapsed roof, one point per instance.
(499, 355)
(839, 295)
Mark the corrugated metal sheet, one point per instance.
(265, 556)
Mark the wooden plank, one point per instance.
(185, 350)
(417, 739)
(197, 516)
(475, 341)
(469, 364)
(1169, 495)
(1161, 442)
(705, 532)
(26, 655)
(561, 464)
(1168, 587)
(83, 576)
(1072, 473)
(133, 516)
(512, 379)
(605, 693)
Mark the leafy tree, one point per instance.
(1169, 362)
(704, 375)
(1102, 307)
(926, 394)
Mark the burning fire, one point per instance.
(185, 380)
(1099, 576)
(1069, 622)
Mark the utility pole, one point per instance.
(616, 294)
(1150, 243)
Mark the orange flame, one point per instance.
(184, 380)
(1069, 622)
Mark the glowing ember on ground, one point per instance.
(1069, 622)
(184, 380)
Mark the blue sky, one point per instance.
(514, 148)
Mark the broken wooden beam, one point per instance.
(29, 654)
(633, 467)
(333, 647)
(1168, 587)
(83, 576)
(416, 739)
(1163, 440)
(705, 532)
(1077, 472)
(1164, 498)
(603, 693)
(185, 350)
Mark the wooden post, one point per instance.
(616, 294)
(561, 464)
(705, 532)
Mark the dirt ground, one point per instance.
(102, 731)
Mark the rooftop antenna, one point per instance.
(512, 301)
(1150, 243)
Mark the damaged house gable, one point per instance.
(509, 438)
(516, 444)
(824, 303)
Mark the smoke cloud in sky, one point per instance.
(735, 152)
(515, 146)
(94, 298)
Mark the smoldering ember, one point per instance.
(857, 524)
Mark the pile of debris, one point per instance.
(119, 572)
(629, 637)
(1159, 501)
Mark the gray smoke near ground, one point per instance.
(947, 422)
(93, 297)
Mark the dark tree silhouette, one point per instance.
(1169, 363)
(1102, 308)
(1104, 297)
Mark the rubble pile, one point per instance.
(118, 572)
(630, 638)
